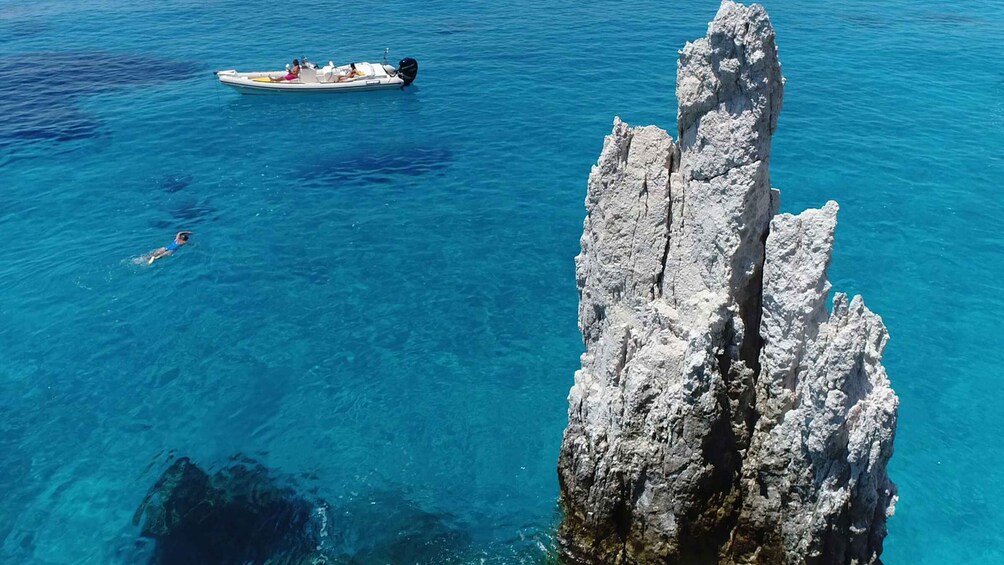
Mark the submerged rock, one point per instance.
(720, 415)
(244, 514)
(237, 515)
(47, 112)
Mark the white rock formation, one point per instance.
(720, 415)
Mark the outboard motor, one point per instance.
(407, 69)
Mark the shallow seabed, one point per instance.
(379, 300)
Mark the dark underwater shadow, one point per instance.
(44, 111)
(185, 213)
(378, 165)
(243, 513)
(174, 183)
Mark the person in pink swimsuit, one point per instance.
(293, 74)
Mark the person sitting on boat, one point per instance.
(180, 239)
(292, 74)
(351, 75)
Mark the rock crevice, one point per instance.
(720, 413)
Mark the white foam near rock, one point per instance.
(720, 415)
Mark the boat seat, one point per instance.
(308, 75)
(327, 74)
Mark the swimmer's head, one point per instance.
(183, 237)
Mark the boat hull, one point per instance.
(245, 83)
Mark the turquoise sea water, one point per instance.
(379, 299)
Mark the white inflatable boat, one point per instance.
(354, 77)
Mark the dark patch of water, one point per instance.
(381, 166)
(175, 183)
(191, 212)
(21, 28)
(38, 91)
(244, 513)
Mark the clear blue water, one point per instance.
(379, 299)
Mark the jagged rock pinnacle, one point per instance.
(720, 416)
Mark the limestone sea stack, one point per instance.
(721, 414)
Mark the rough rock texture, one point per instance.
(720, 414)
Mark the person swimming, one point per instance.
(180, 239)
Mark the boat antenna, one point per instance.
(386, 50)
